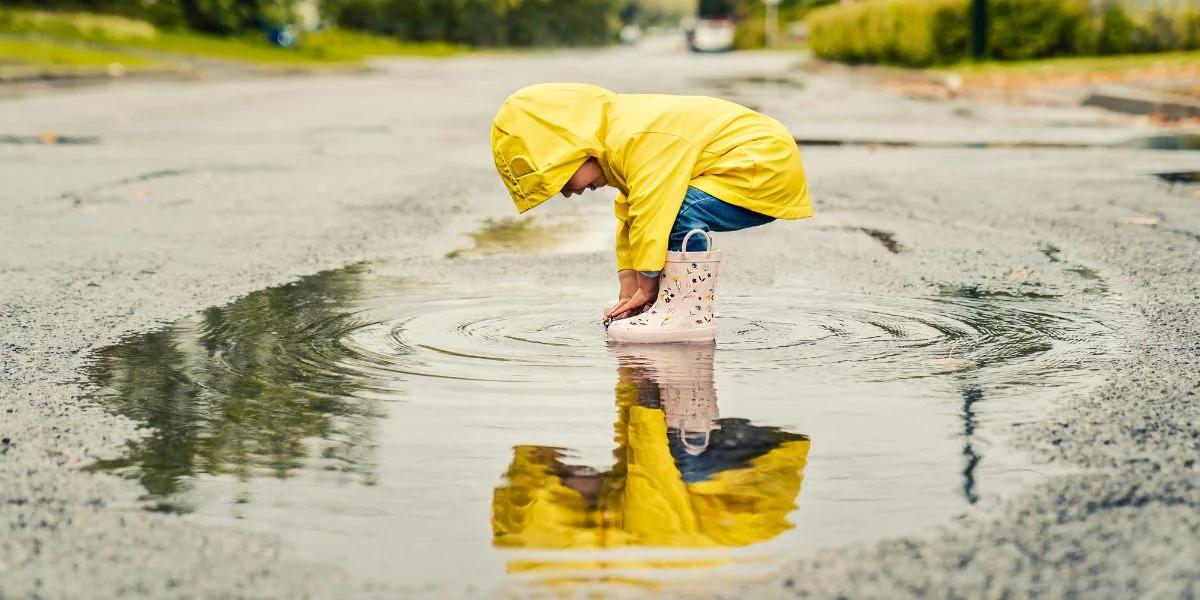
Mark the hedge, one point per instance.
(222, 17)
(920, 33)
(474, 22)
(482, 22)
(910, 32)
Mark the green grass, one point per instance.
(60, 57)
(233, 49)
(345, 43)
(85, 39)
(331, 46)
(1068, 65)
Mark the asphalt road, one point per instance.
(179, 196)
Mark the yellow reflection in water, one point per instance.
(683, 477)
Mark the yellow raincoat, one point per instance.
(651, 148)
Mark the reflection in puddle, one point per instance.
(362, 417)
(516, 234)
(225, 393)
(682, 476)
(971, 395)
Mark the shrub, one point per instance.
(226, 17)
(907, 32)
(751, 26)
(750, 33)
(1025, 29)
(1117, 32)
(482, 22)
(925, 32)
(1159, 31)
(1189, 29)
(80, 26)
(213, 16)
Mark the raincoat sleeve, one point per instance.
(658, 168)
(621, 210)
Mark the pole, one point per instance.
(772, 22)
(979, 29)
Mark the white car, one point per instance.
(630, 35)
(712, 35)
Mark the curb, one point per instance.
(1144, 102)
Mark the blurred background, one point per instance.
(55, 38)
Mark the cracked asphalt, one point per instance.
(195, 193)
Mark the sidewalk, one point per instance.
(1165, 88)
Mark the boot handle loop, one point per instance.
(707, 242)
(693, 449)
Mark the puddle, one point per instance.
(773, 81)
(1194, 236)
(1170, 141)
(412, 432)
(1179, 177)
(887, 238)
(1051, 252)
(749, 90)
(768, 81)
(352, 130)
(1097, 284)
(1179, 142)
(975, 145)
(516, 234)
(49, 138)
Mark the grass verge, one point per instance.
(1081, 64)
(83, 41)
(1153, 70)
(43, 53)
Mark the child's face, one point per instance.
(589, 177)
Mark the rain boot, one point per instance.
(683, 311)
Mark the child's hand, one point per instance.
(641, 298)
(628, 280)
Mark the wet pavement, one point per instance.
(311, 353)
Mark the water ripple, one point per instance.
(503, 340)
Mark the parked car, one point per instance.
(630, 35)
(712, 35)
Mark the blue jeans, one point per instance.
(709, 213)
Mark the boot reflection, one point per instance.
(682, 477)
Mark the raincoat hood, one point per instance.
(543, 133)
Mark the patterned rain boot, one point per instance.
(683, 311)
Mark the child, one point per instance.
(679, 162)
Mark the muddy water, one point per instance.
(423, 434)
